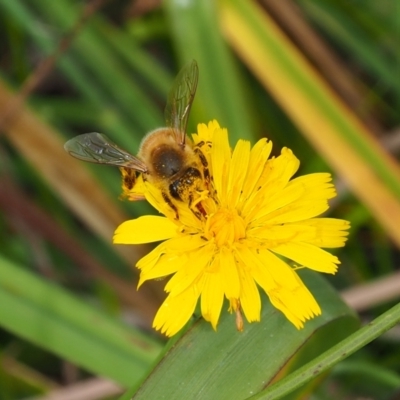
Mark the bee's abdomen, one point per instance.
(181, 188)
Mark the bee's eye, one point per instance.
(167, 162)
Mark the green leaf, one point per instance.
(227, 364)
(48, 316)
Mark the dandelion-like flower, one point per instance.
(258, 226)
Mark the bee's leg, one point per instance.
(202, 211)
(192, 207)
(206, 171)
(202, 157)
(171, 204)
(204, 162)
(196, 205)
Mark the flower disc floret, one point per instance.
(226, 227)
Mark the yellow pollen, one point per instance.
(226, 227)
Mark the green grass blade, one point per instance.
(340, 26)
(341, 350)
(194, 28)
(48, 316)
(108, 116)
(128, 50)
(101, 62)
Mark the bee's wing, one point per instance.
(97, 148)
(180, 100)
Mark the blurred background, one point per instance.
(321, 78)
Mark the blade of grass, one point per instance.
(128, 50)
(330, 65)
(43, 147)
(46, 65)
(109, 116)
(98, 58)
(328, 124)
(341, 27)
(194, 28)
(331, 357)
(53, 319)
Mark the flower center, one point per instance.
(226, 226)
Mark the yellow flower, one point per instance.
(256, 228)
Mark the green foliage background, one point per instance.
(58, 268)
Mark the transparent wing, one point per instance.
(97, 148)
(180, 100)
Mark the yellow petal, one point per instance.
(205, 133)
(275, 176)
(312, 181)
(279, 171)
(321, 232)
(298, 195)
(259, 271)
(329, 232)
(184, 243)
(220, 159)
(196, 264)
(283, 286)
(298, 211)
(169, 257)
(257, 163)
(297, 306)
(212, 297)
(187, 217)
(146, 229)
(150, 259)
(175, 246)
(308, 255)
(276, 234)
(202, 133)
(249, 296)
(283, 275)
(238, 171)
(229, 273)
(155, 197)
(166, 265)
(176, 311)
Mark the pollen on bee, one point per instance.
(128, 178)
(170, 204)
(128, 183)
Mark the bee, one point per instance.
(167, 157)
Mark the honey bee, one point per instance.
(167, 157)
